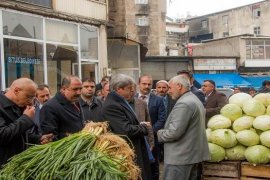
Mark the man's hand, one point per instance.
(46, 138)
(148, 124)
(30, 112)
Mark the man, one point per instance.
(252, 91)
(214, 100)
(236, 90)
(157, 113)
(184, 137)
(91, 105)
(103, 81)
(123, 121)
(265, 87)
(17, 117)
(61, 115)
(104, 92)
(193, 89)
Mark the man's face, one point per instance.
(145, 85)
(88, 89)
(106, 90)
(162, 89)
(174, 90)
(106, 81)
(207, 87)
(236, 90)
(73, 92)
(43, 95)
(127, 92)
(25, 96)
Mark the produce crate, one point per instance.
(229, 170)
(251, 172)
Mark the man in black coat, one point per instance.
(17, 117)
(62, 115)
(123, 121)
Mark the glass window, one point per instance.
(257, 30)
(256, 12)
(248, 52)
(142, 21)
(141, 1)
(258, 42)
(60, 63)
(267, 52)
(23, 59)
(204, 24)
(61, 32)
(22, 25)
(257, 52)
(47, 3)
(225, 20)
(89, 42)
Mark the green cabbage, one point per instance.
(243, 123)
(217, 152)
(263, 98)
(231, 111)
(239, 98)
(248, 138)
(265, 138)
(236, 153)
(208, 134)
(219, 122)
(223, 137)
(257, 154)
(253, 108)
(262, 122)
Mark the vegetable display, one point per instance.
(92, 154)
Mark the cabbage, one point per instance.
(236, 153)
(223, 137)
(239, 98)
(262, 122)
(217, 152)
(257, 154)
(243, 123)
(268, 110)
(231, 111)
(253, 108)
(208, 134)
(263, 98)
(219, 122)
(248, 137)
(265, 138)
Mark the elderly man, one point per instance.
(91, 105)
(123, 120)
(184, 137)
(17, 117)
(214, 100)
(62, 115)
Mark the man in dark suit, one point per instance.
(123, 121)
(193, 89)
(214, 100)
(62, 115)
(157, 112)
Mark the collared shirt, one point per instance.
(144, 97)
(206, 96)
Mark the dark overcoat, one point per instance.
(123, 121)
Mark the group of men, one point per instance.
(174, 116)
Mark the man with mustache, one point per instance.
(62, 115)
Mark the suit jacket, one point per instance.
(214, 103)
(13, 128)
(91, 112)
(142, 113)
(60, 117)
(123, 121)
(184, 133)
(198, 93)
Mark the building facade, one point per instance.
(47, 40)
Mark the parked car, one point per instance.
(227, 91)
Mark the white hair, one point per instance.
(181, 79)
(162, 81)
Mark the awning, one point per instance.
(228, 80)
(256, 81)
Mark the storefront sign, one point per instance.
(23, 60)
(215, 64)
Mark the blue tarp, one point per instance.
(256, 81)
(228, 80)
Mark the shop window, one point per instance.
(60, 61)
(89, 42)
(23, 59)
(22, 25)
(61, 32)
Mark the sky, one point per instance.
(181, 8)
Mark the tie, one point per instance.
(143, 97)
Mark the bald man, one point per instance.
(16, 117)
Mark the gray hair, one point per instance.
(181, 79)
(120, 81)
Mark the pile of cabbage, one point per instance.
(242, 130)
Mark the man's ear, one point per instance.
(17, 90)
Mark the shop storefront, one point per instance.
(46, 49)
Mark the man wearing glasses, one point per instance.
(62, 115)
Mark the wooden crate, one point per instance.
(224, 169)
(218, 178)
(251, 172)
